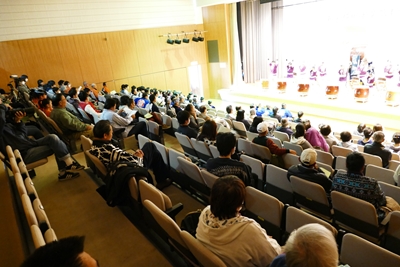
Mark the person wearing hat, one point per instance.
(263, 140)
(284, 128)
(308, 170)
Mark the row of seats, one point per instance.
(35, 215)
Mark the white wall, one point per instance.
(25, 19)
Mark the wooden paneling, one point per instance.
(87, 58)
(120, 82)
(136, 81)
(178, 80)
(155, 80)
(70, 60)
(148, 46)
(102, 57)
(12, 61)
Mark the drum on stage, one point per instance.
(332, 91)
(361, 93)
(281, 86)
(265, 83)
(303, 89)
(392, 97)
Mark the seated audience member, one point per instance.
(346, 141)
(193, 117)
(225, 165)
(395, 147)
(312, 245)
(22, 87)
(86, 106)
(360, 129)
(285, 128)
(175, 106)
(235, 239)
(208, 133)
(240, 118)
(326, 131)
(184, 120)
(253, 127)
(141, 102)
(67, 86)
(152, 107)
(108, 154)
(252, 114)
(315, 138)
(275, 114)
(209, 102)
(46, 106)
(118, 122)
(36, 95)
(377, 127)
(263, 140)
(367, 137)
(355, 184)
(376, 148)
(15, 134)
(73, 97)
(67, 251)
(70, 125)
(308, 170)
(203, 113)
(260, 110)
(105, 90)
(124, 90)
(299, 116)
(94, 91)
(229, 111)
(284, 112)
(298, 137)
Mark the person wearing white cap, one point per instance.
(263, 140)
(308, 170)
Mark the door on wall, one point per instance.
(196, 80)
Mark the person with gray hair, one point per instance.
(376, 148)
(312, 245)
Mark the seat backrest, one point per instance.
(202, 150)
(166, 222)
(186, 144)
(311, 196)
(289, 160)
(209, 178)
(395, 156)
(261, 152)
(296, 218)
(324, 157)
(133, 188)
(355, 215)
(84, 114)
(175, 123)
(43, 221)
(281, 136)
(19, 181)
(276, 141)
(37, 236)
(214, 151)
(223, 129)
(257, 166)
(393, 164)
(358, 252)
(10, 152)
(294, 147)
(86, 143)
(326, 167)
(340, 163)
(200, 252)
(158, 198)
(239, 128)
(360, 148)
(392, 239)
(191, 170)
(221, 113)
(380, 174)
(50, 236)
(268, 118)
(97, 163)
(28, 209)
(173, 156)
(154, 130)
(167, 120)
(372, 159)
(142, 140)
(340, 151)
(390, 190)
(244, 145)
(278, 185)
(30, 188)
(163, 151)
(251, 136)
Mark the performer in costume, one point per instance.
(363, 69)
(273, 67)
(322, 70)
(313, 74)
(289, 70)
(388, 71)
(371, 79)
(342, 75)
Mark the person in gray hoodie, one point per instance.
(235, 239)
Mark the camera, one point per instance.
(28, 111)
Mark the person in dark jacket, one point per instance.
(184, 128)
(308, 170)
(376, 148)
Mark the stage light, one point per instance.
(201, 38)
(177, 40)
(195, 38)
(185, 39)
(169, 40)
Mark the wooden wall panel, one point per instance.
(178, 80)
(136, 81)
(155, 80)
(87, 59)
(118, 83)
(116, 48)
(148, 46)
(70, 60)
(102, 57)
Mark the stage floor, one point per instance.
(340, 113)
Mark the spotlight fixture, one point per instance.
(201, 38)
(169, 40)
(177, 40)
(185, 39)
(195, 38)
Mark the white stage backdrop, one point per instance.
(327, 30)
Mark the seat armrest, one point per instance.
(174, 210)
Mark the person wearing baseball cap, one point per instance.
(263, 140)
(308, 170)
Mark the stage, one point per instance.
(343, 113)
